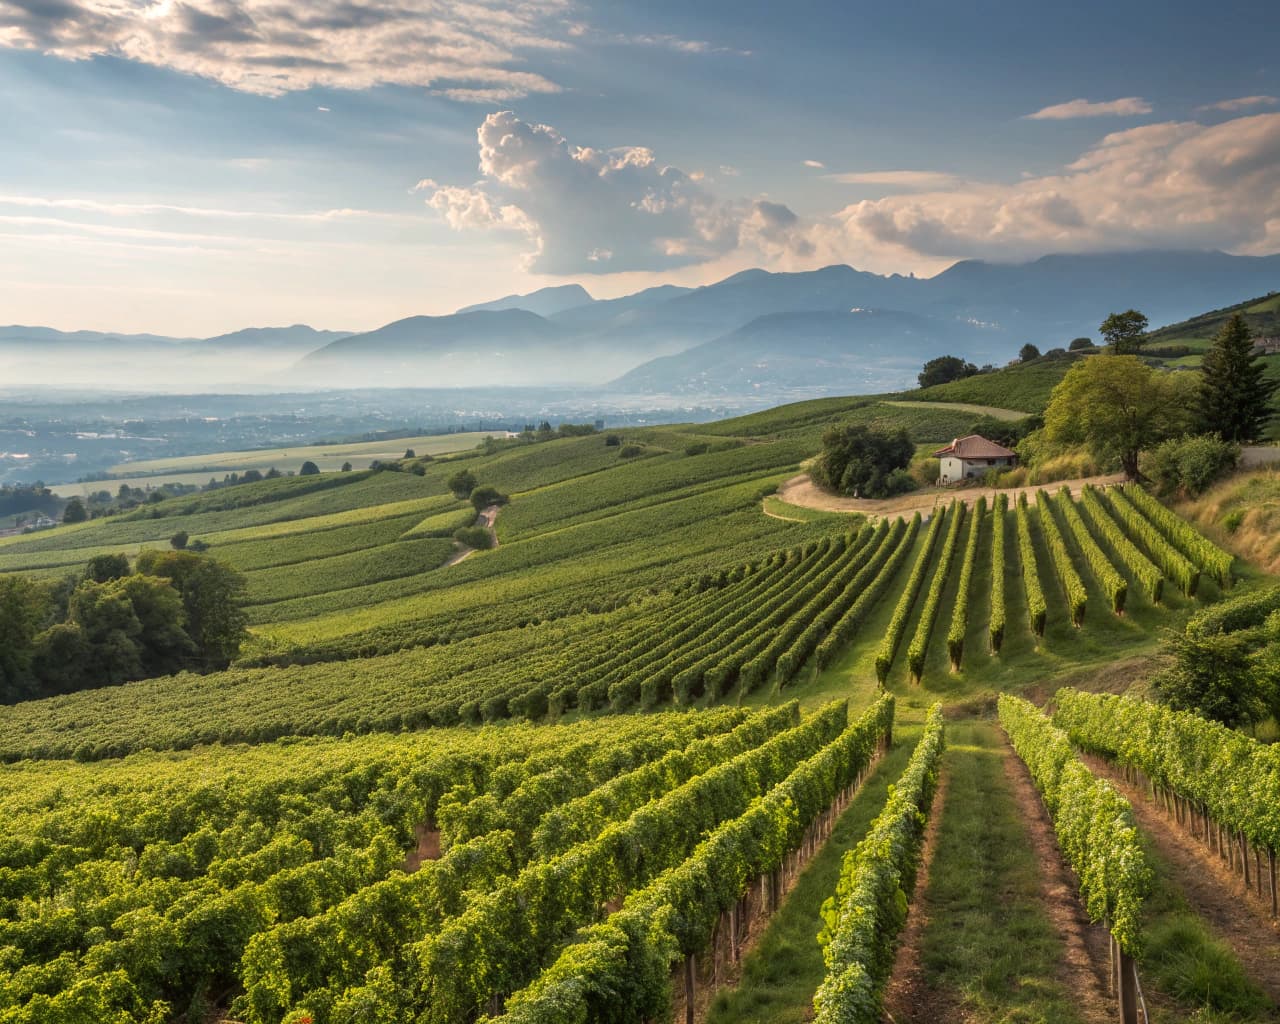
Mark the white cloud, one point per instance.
(469, 51)
(916, 180)
(818, 164)
(729, 172)
(1241, 103)
(1127, 107)
(588, 210)
(1169, 185)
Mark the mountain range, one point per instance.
(835, 329)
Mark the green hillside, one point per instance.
(527, 785)
(1262, 314)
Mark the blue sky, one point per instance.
(188, 168)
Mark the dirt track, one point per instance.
(802, 491)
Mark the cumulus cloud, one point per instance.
(470, 52)
(587, 210)
(1241, 103)
(1173, 185)
(917, 180)
(1127, 107)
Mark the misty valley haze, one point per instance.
(754, 334)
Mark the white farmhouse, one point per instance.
(972, 456)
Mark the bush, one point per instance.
(1233, 520)
(474, 537)
(309, 468)
(483, 497)
(631, 451)
(864, 463)
(925, 472)
(462, 483)
(1188, 466)
(698, 448)
(612, 440)
(1079, 344)
(179, 540)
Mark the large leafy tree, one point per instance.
(1118, 406)
(212, 595)
(864, 463)
(23, 608)
(1125, 332)
(1235, 394)
(944, 370)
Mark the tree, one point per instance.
(75, 512)
(945, 369)
(864, 463)
(483, 497)
(1214, 675)
(212, 595)
(1078, 344)
(346, 467)
(308, 468)
(1125, 333)
(1235, 394)
(1028, 352)
(61, 659)
(164, 645)
(111, 629)
(22, 610)
(104, 568)
(179, 540)
(462, 483)
(1117, 407)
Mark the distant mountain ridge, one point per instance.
(544, 302)
(751, 332)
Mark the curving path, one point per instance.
(801, 490)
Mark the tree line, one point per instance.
(168, 612)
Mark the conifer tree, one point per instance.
(1234, 392)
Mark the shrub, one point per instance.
(483, 497)
(179, 540)
(309, 468)
(631, 451)
(698, 448)
(474, 537)
(1188, 466)
(1078, 344)
(925, 472)
(462, 483)
(612, 440)
(1232, 520)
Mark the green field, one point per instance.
(289, 460)
(529, 785)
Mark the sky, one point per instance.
(189, 168)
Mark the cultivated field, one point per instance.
(667, 750)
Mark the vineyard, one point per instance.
(655, 746)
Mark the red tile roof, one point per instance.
(974, 447)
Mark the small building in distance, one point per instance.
(972, 456)
(1266, 346)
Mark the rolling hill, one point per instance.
(415, 751)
